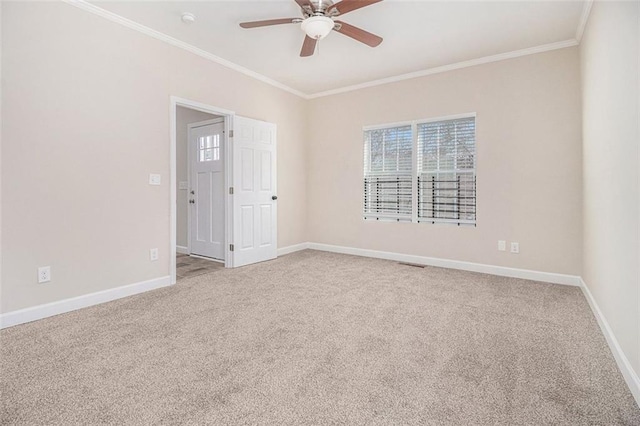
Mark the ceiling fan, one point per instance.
(319, 19)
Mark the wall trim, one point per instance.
(624, 365)
(584, 17)
(292, 249)
(26, 315)
(182, 250)
(34, 313)
(84, 5)
(503, 271)
(89, 7)
(450, 67)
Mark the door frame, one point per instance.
(174, 103)
(191, 126)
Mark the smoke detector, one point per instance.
(188, 18)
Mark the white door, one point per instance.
(206, 193)
(254, 198)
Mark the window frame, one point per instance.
(414, 169)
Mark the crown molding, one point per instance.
(84, 5)
(451, 67)
(582, 24)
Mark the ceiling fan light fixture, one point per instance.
(317, 27)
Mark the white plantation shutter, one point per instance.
(446, 171)
(388, 171)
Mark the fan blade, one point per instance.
(346, 6)
(358, 34)
(308, 46)
(268, 22)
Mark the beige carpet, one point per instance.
(318, 338)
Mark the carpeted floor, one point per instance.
(319, 338)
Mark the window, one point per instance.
(446, 171)
(388, 172)
(209, 148)
(422, 171)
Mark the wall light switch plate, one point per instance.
(154, 179)
(183, 184)
(153, 254)
(502, 245)
(515, 247)
(44, 274)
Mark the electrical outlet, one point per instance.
(153, 254)
(502, 245)
(515, 247)
(44, 274)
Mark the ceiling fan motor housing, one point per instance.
(317, 27)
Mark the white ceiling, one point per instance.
(418, 35)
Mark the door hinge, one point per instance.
(230, 133)
(230, 247)
(231, 190)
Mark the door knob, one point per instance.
(192, 201)
(274, 197)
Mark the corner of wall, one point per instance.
(307, 165)
(1, 80)
(610, 158)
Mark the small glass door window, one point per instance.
(209, 148)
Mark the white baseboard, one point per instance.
(182, 250)
(503, 271)
(624, 365)
(34, 313)
(291, 249)
(22, 316)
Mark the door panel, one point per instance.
(247, 227)
(265, 171)
(247, 169)
(206, 144)
(265, 225)
(217, 210)
(203, 206)
(254, 177)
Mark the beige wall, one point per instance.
(610, 52)
(78, 197)
(85, 120)
(528, 163)
(184, 117)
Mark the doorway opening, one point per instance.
(200, 169)
(248, 174)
